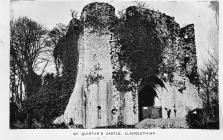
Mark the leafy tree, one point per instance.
(48, 103)
(53, 96)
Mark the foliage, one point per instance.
(13, 111)
(16, 82)
(53, 37)
(208, 116)
(209, 91)
(49, 103)
(52, 98)
(26, 42)
(187, 58)
(197, 119)
(66, 51)
(98, 16)
(17, 116)
(26, 45)
(209, 83)
(146, 44)
(145, 48)
(94, 75)
(172, 48)
(138, 49)
(29, 42)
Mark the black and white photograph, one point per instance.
(113, 65)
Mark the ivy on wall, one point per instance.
(94, 76)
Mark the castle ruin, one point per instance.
(96, 102)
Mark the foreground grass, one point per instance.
(162, 123)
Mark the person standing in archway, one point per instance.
(175, 111)
(168, 112)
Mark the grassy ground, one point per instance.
(118, 126)
(162, 123)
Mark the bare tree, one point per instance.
(52, 39)
(26, 45)
(209, 87)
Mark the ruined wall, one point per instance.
(182, 90)
(95, 101)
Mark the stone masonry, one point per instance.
(95, 101)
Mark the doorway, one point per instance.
(146, 98)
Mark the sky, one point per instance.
(201, 14)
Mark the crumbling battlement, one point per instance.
(98, 15)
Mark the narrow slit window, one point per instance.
(99, 112)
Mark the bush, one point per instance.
(49, 103)
(200, 119)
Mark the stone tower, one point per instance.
(91, 101)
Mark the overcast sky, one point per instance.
(48, 13)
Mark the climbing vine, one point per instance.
(138, 48)
(94, 76)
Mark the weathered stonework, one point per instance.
(92, 98)
(95, 101)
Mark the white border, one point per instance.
(61, 134)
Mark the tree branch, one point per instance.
(44, 68)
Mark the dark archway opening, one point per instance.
(146, 98)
